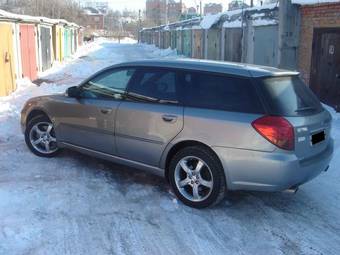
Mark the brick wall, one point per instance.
(315, 16)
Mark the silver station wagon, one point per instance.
(208, 127)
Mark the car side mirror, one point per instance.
(73, 92)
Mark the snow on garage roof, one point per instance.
(311, 2)
(210, 20)
(34, 19)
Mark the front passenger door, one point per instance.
(89, 121)
(150, 117)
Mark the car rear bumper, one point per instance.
(270, 171)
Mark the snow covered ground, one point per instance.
(74, 204)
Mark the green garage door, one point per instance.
(187, 42)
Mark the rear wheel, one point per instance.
(40, 137)
(197, 177)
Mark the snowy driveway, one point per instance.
(74, 204)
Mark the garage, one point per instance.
(213, 44)
(325, 73)
(7, 64)
(187, 33)
(233, 44)
(28, 48)
(266, 45)
(45, 47)
(57, 42)
(67, 42)
(197, 47)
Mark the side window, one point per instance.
(220, 92)
(109, 84)
(155, 85)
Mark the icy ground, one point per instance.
(74, 204)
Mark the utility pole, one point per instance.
(201, 8)
(139, 25)
(166, 12)
(288, 35)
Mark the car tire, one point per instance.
(197, 177)
(40, 137)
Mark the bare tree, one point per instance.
(58, 9)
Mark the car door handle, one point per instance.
(105, 110)
(169, 118)
(337, 76)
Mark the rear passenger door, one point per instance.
(150, 117)
(219, 110)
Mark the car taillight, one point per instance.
(276, 130)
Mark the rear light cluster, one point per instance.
(276, 130)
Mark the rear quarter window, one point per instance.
(220, 92)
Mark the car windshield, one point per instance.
(289, 96)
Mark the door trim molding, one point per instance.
(138, 138)
(153, 169)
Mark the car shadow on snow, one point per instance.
(126, 177)
(113, 172)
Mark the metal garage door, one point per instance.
(325, 73)
(7, 65)
(45, 39)
(266, 45)
(187, 42)
(173, 39)
(61, 43)
(179, 41)
(233, 44)
(214, 44)
(28, 51)
(197, 45)
(167, 39)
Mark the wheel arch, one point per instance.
(181, 145)
(34, 113)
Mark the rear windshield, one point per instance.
(289, 96)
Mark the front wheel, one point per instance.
(40, 137)
(197, 177)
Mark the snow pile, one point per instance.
(128, 40)
(310, 2)
(156, 52)
(335, 115)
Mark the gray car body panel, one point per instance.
(141, 133)
(135, 134)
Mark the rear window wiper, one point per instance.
(307, 108)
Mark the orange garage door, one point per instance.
(28, 51)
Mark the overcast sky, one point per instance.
(140, 4)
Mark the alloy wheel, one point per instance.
(193, 178)
(42, 138)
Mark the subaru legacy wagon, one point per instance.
(208, 127)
